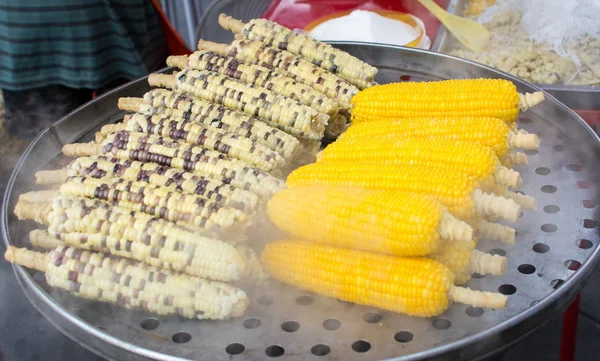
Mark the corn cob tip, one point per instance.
(51, 176)
(81, 149)
(518, 158)
(43, 239)
(489, 205)
(524, 200)
(486, 263)
(38, 196)
(523, 140)
(162, 80)
(453, 229)
(231, 24)
(26, 258)
(496, 232)
(508, 177)
(99, 137)
(221, 49)
(129, 104)
(37, 212)
(529, 100)
(112, 128)
(178, 61)
(474, 298)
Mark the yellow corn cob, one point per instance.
(131, 284)
(449, 98)
(391, 222)
(206, 137)
(258, 76)
(287, 64)
(189, 109)
(411, 285)
(471, 158)
(457, 191)
(291, 116)
(321, 54)
(487, 131)
(463, 260)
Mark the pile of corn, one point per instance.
(154, 213)
(390, 214)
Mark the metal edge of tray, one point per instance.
(578, 97)
(551, 304)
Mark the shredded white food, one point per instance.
(558, 24)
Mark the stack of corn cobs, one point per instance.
(154, 213)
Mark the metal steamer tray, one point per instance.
(556, 251)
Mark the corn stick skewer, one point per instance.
(130, 284)
(289, 115)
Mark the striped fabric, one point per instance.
(77, 43)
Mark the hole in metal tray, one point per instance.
(331, 324)
(235, 348)
(150, 324)
(181, 337)
(526, 269)
(320, 350)
(507, 289)
(551, 209)
(549, 227)
(251, 323)
(274, 351)
(290, 326)
(542, 171)
(404, 336)
(584, 243)
(441, 323)
(572, 264)
(474, 311)
(361, 346)
(266, 300)
(540, 248)
(372, 317)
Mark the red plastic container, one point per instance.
(296, 14)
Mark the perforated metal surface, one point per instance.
(555, 251)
